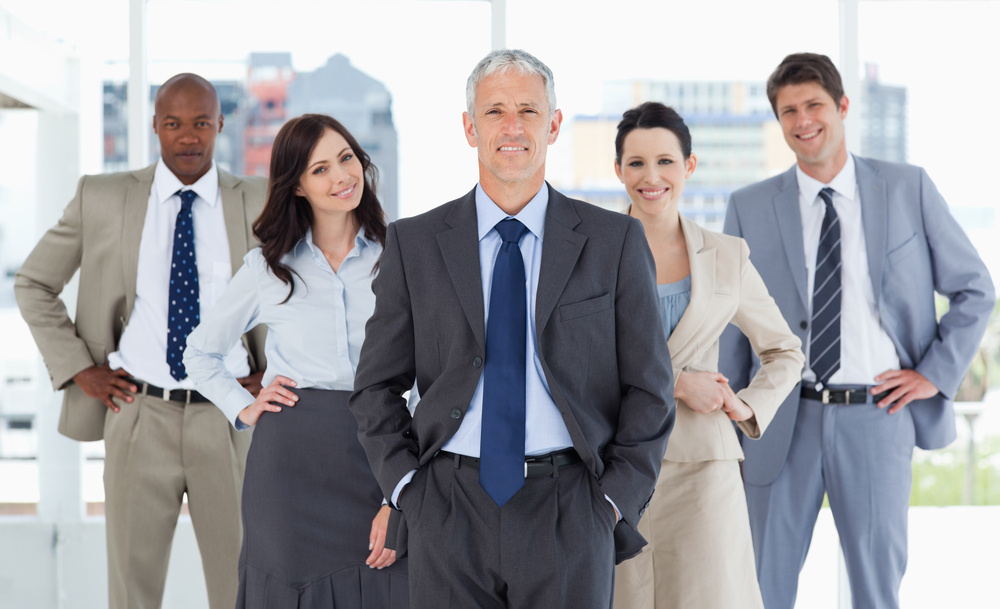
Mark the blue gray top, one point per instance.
(674, 299)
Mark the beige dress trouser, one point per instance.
(700, 553)
(156, 451)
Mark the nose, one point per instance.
(188, 135)
(651, 174)
(339, 174)
(512, 124)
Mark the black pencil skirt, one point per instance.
(309, 498)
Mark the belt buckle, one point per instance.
(847, 396)
(525, 469)
(826, 396)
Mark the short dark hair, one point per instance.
(648, 116)
(799, 68)
(287, 216)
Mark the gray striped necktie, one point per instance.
(824, 345)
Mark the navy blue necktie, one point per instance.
(501, 450)
(183, 310)
(824, 344)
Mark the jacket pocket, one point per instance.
(585, 307)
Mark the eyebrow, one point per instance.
(339, 154)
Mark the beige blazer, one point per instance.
(99, 234)
(726, 288)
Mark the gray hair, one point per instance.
(503, 61)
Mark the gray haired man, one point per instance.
(546, 403)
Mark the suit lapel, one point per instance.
(133, 219)
(460, 248)
(561, 248)
(874, 218)
(789, 220)
(234, 213)
(702, 261)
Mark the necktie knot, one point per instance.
(827, 195)
(187, 198)
(511, 230)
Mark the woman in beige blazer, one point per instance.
(700, 553)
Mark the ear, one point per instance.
(469, 127)
(154, 125)
(618, 172)
(554, 125)
(844, 102)
(220, 122)
(689, 165)
(299, 192)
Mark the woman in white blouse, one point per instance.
(314, 518)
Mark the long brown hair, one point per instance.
(287, 216)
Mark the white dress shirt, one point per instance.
(314, 339)
(865, 348)
(143, 346)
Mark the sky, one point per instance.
(424, 50)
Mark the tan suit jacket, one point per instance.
(726, 288)
(99, 234)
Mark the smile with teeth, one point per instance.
(809, 136)
(512, 148)
(652, 194)
(345, 193)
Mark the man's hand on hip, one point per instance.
(904, 387)
(104, 384)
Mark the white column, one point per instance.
(139, 116)
(850, 72)
(60, 463)
(498, 24)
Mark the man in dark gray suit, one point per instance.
(852, 250)
(526, 320)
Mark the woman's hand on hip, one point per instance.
(270, 399)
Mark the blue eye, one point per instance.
(635, 164)
(665, 161)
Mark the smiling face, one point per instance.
(334, 179)
(813, 125)
(512, 127)
(653, 169)
(187, 121)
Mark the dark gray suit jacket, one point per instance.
(597, 322)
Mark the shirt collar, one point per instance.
(844, 183)
(532, 215)
(166, 184)
(305, 244)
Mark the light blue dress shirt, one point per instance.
(545, 430)
(674, 300)
(314, 339)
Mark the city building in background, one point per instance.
(883, 118)
(254, 111)
(734, 133)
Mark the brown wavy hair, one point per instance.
(287, 216)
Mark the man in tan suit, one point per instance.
(125, 232)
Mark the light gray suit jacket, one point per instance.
(914, 246)
(598, 338)
(99, 234)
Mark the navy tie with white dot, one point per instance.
(184, 310)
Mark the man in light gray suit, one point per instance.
(546, 399)
(852, 250)
(113, 362)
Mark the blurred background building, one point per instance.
(734, 135)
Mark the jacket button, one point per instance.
(803, 324)
(478, 362)
(456, 413)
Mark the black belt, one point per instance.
(184, 396)
(535, 466)
(857, 395)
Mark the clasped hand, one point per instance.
(706, 392)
